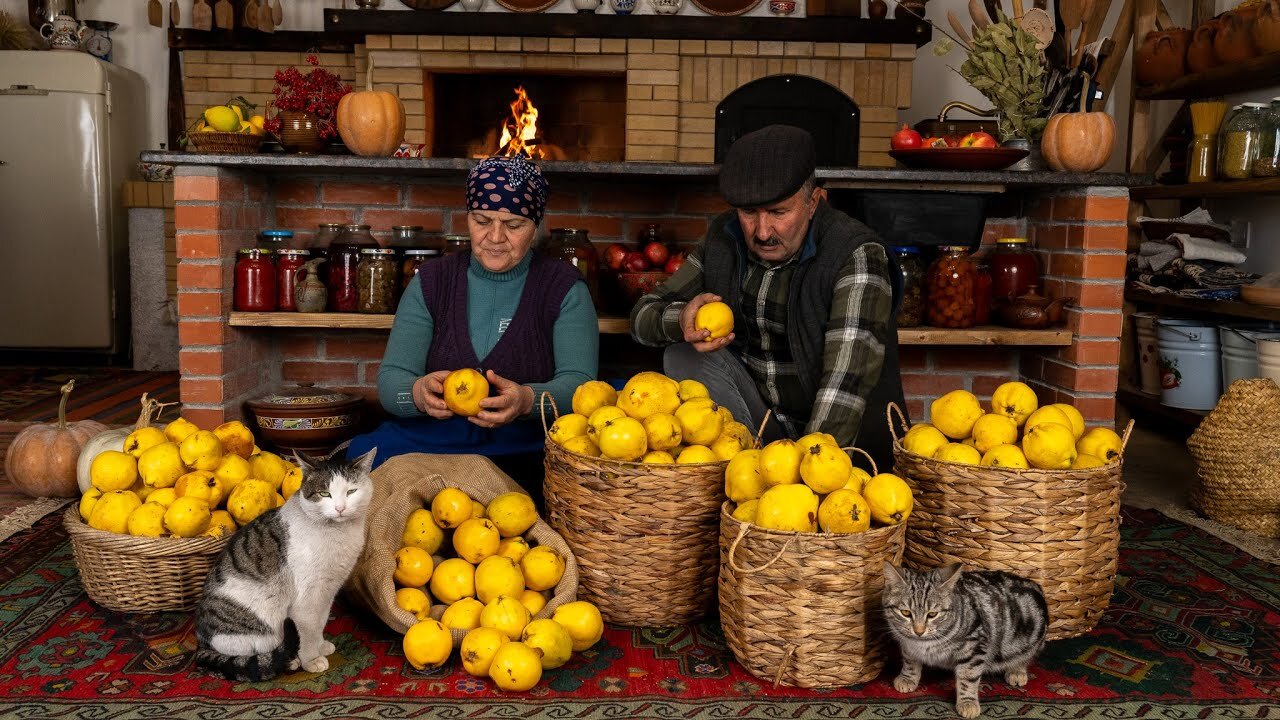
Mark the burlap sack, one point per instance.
(408, 482)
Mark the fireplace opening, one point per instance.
(829, 115)
(578, 117)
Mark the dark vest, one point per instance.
(525, 353)
(813, 281)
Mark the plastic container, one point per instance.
(1190, 364)
(1148, 352)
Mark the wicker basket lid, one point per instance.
(304, 396)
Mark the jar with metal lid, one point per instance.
(275, 240)
(951, 280)
(1241, 139)
(289, 263)
(326, 235)
(414, 257)
(1268, 162)
(255, 281)
(573, 246)
(376, 274)
(344, 257)
(406, 236)
(457, 243)
(911, 266)
(1014, 269)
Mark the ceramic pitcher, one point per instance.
(63, 33)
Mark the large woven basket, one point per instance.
(1237, 452)
(140, 574)
(644, 535)
(803, 609)
(1060, 528)
(225, 142)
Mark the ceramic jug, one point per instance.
(63, 33)
(309, 294)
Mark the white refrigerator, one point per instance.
(71, 129)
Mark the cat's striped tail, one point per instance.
(253, 668)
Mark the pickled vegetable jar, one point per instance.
(911, 265)
(951, 282)
(376, 275)
(288, 264)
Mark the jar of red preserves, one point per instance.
(255, 281)
(982, 295)
(951, 281)
(1014, 269)
(344, 258)
(288, 263)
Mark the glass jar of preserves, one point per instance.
(1014, 269)
(406, 236)
(255, 281)
(1268, 162)
(1241, 139)
(651, 232)
(911, 265)
(376, 275)
(413, 257)
(326, 235)
(456, 243)
(288, 263)
(275, 240)
(573, 246)
(982, 295)
(950, 282)
(344, 257)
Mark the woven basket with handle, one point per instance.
(1237, 452)
(140, 574)
(225, 142)
(1060, 528)
(644, 534)
(803, 609)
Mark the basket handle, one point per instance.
(782, 666)
(542, 410)
(759, 443)
(1228, 328)
(733, 549)
(1124, 439)
(874, 470)
(889, 411)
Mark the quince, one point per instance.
(143, 439)
(955, 413)
(792, 506)
(179, 429)
(497, 576)
(111, 511)
(700, 421)
(236, 438)
(593, 395)
(663, 431)
(202, 450)
(463, 391)
(1102, 443)
(161, 465)
(1050, 445)
(825, 467)
(647, 393)
(1014, 400)
(780, 462)
(889, 498)
(113, 470)
(187, 516)
(844, 511)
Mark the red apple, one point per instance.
(656, 253)
(635, 262)
(674, 262)
(614, 255)
(979, 139)
(905, 139)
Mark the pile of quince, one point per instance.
(1014, 432)
(235, 116)
(491, 585)
(653, 419)
(186, 482)
(810, 484)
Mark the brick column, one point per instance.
(217, 211)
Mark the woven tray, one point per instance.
(1237, 453)
(1060, 528)
(232, 143)
(137, 574)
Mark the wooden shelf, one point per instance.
(252, 40)
(1254, 74)
(987, 335)
(591, 25)
(1261, 186)
(1204, 307)
(1140, 402)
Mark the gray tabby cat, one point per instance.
(974, 622)
(267, 599)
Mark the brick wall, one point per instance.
(212, 77)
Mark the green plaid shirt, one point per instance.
(851, 358)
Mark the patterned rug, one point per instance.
(108, 395)
(1192, 633)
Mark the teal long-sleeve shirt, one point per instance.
(492, 299)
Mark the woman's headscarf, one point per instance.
(508, 184)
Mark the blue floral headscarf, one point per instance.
(508, 184)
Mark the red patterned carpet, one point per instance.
(1192, 633)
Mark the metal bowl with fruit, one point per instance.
(974, 151)
(639, 271)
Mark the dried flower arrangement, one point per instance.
(316, 93)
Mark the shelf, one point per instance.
(1140, 402)
(247, 39)
(1204, 307)
(1254, 74)
(609, 325)
(1262, 186)
(591, 25)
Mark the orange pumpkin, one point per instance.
(371, 122)
(41, 462)
(1078, 142)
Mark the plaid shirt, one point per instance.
(851, 358)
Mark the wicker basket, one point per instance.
(232, 143)
(140, 574)
(644, 535)
(1060, 528)
(1237, 452)
(803, 609)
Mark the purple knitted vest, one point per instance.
(525, 353)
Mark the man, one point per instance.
(813, 300)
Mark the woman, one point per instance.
(522, 318)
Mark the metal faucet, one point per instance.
(954, 104)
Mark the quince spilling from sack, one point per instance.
(506, 615)
(516, 667)
(583, 622)
(463, 614)
(427, 644)
(450, 508)
(550, 639)
(497, 576)
(542, 567)
(415, 602)
(478, 648)
(453, 580)
(476, 539)
(512, 513)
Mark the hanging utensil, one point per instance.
(251, 14)
(265, 22)
(155, 13)
(175, 14)
(201, 16)
(1018, 12)
(277, 13)
(1086, 10)
(1093, 22)
(959, 30)
(1039, 25)
(1071, 13)
(224, 15)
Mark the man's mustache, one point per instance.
(773, 241)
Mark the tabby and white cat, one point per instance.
(267, 599)
(973, 622)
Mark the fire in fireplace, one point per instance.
(519, 132)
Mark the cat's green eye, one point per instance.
(933, 615)
(324, 494)
(352, 491)
(905, 612)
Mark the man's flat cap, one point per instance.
(766, 166)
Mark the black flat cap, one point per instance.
(767, 165)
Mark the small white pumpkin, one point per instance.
(114, 439)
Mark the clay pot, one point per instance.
(1200, 55)
(1163, 56)
(1266, 28)
(1233, 42)
(1033, 311)
(310, 419)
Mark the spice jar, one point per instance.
(376, 275)
(344, 257)
(275, 240)
(950, 281)
(289, 263)
(457, 243)
(911, 265)
(414, 257)
(1014, 269)
(572, 246)
(255, 281)
(1241, 137)
(1268, 162)
(326, 235)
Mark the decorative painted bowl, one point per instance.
(636, 284)
(155, 172)
(310, 419)
(782, 7)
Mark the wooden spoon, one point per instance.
(1086, 12)
(224, 15)
(277, 13)
(265, 22)
(201, 16)
(251, 14)
(155, 13)
(1071, 12)
(175, 14)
